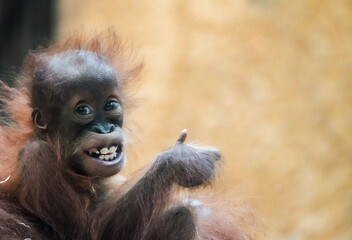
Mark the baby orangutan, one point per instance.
(64, 138)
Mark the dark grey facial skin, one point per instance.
(76, 97)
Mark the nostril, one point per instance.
(112, 128)
(104, 129)
(98, 129)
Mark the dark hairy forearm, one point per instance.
(182, 164)
(145, 201)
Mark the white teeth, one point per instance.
(104, 151)
(105, 154)
(112, 149)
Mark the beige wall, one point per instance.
(266, 81)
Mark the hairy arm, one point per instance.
(45, 193)
(182, 164)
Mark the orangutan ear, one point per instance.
(38, 119)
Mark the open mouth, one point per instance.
(106, 153)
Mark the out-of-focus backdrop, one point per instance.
(269, 82)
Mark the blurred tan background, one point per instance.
(266, 81)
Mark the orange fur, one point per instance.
(17, 100)
(15, 134)
(150, 196)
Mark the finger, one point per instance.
(183, 135)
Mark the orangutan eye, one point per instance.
(83, 110)
(111, 105)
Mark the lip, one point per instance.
(92, 165)
(107, 153)
(119, 157)
(95, 167)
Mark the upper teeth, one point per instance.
(105, 153)
(104, 150)
(112, 149)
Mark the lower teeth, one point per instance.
(104, 157)
(108, 157)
